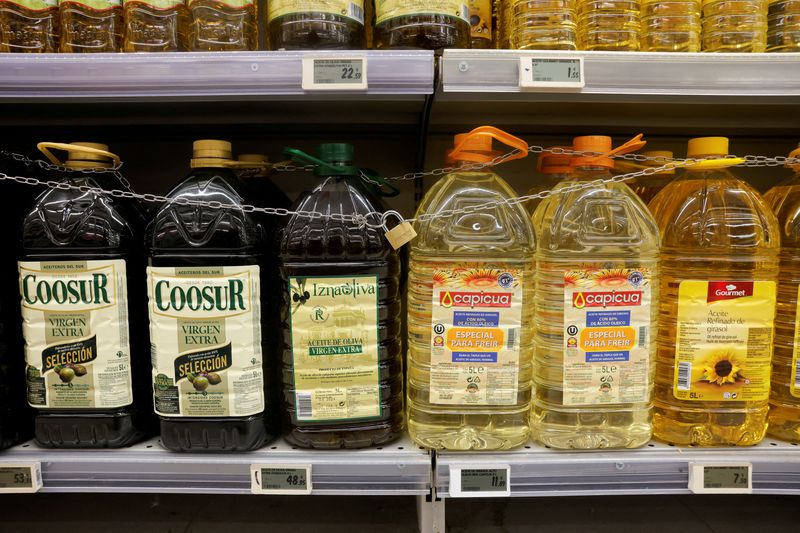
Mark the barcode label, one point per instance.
(642, 336)
(304, 409)
(797, 374)
(512, 338)
(465, 12)
(355, 11)
(684, 376)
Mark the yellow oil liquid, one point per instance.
(734, 25)
(88, 29)
(544, 183)
(784, 412)
(503, 11)
(783, 26)
(28, 27)
(714, 226)
(671, 26)
(485, 243)
(217, 25)
(609, 25)
(608, 229)
(153, 29)
(543, 24)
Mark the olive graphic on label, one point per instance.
(80, 370)
(58, 368)
(66, 375)
(214, 378)
(200, 383)
(191, 376)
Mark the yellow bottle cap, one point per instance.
(80, 154)
(211, 153)
(253, 158)
(666, 154)
(703, 146)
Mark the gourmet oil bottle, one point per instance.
(316, 24)
(734, 26)
(29, 26)
(91, 25)
(784, 410)
(470, 290)
(596, 305)
(82, 285)
(211, 281)
(719, 265)
(222, 25)
(783, 26)
(646, 187)
(609, 25)
(422, 24)
(671, 26)
(155, 25)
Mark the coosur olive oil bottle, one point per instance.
(211, 346)
(342, 364)
(81, 284)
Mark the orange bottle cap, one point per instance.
(476, 146)
(549, 163)
(601, 144)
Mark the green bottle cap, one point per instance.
(336, 153)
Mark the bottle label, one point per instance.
(99, 5)
(389, 9)
(794, 386)
(235, 4)
(723, 344)
(75, 324)
(157, 4)
(480, 19)
(33, 5)
(334, 323)
(344, 8)
(475, 334)
(606, 336)
(205, 334)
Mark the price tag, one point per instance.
(487, 482)
(280, 479)
(544, 73)
(334, 74)
(728, 478)
(20, 477)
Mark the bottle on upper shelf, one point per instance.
(316, 24)
(29, 26)
(91, 26)
(422, 24)
(155, 25)
(222, 25)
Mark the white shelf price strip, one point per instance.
(280, 479)
(20, 477)
(334, 74)
(485, 481)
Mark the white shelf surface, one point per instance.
(654, 469)
(400, 468)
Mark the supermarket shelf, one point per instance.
(655, 469)
(397, 469)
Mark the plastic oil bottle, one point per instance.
(155, 25)
(470, 289)
(29, 26)
(82, 285)
(784, 411)
(343, 363)
(314, 25)
(719, 265)
(609, 25)
(254, 169)
(543, 24)
(481, 23)
(422, 24)
(93, 26)
(734, 26)
(646, 187)
(554, 169)
(671, 26)
(211, 278)
(783, 26)
(222, 25)
(596, 305)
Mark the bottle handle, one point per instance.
(496, 134)
(45, 148)
(631, 146)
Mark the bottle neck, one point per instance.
(589, 173)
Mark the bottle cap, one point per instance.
(703, 146)
(211, 153)
(666, 154)
(476, 146)
(80, 155)
(592, 143)
(253, 158)
(548, 163)
(341, 153)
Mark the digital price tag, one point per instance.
(334, 74)
(486, 482)
(551, 73)
(280, 479)
(729, 478)
(20, 477)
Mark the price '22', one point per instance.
(349, 73)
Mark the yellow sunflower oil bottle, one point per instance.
(422, 24)
(316, 24)
(596, 306)
(784, 410)
(222, 25)
(155, 25)
(470, 289)
(543, 24)
(90, 25)
(609, 25)
(783, 26)
(671, 26)
(480, 20)
(554, 169)
(646, 187)
(719, 264)
(734, 26)
(29, 26)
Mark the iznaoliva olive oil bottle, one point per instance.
(470, 295)
(596, 307)
(342, 364)
(719, 265)
(784, 409)
(82, 286)
(29, 26)
(211, 280)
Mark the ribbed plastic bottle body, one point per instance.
(502, 9)
(609, 25)
(91, 29)
(784, 411)
(648, 187)
(671, 26)
(416, 24)
(714, 228)
(734, 25)
(315, 251)
(783, 26)
(29, 27)
(316, 25)
(220, 25)
(546, 182)
(152, 28)
(543, 24)
(469, 253)
(598, 239)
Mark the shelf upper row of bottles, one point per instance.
(220, 25)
